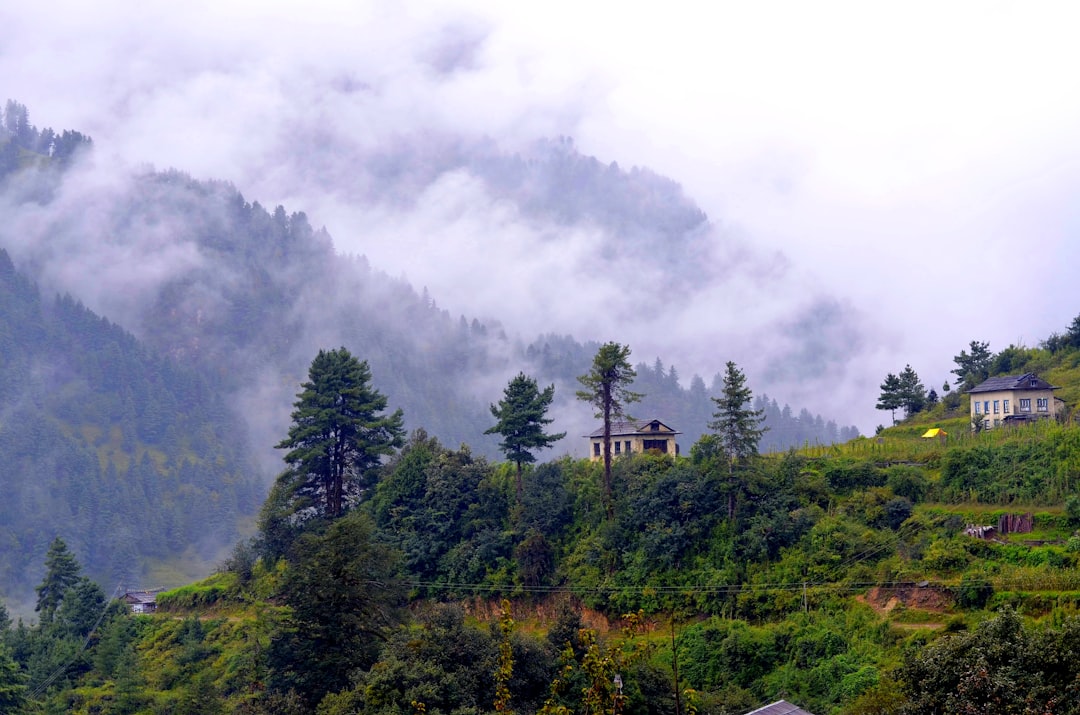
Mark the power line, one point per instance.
(60, 669)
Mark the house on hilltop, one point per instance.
(1009, 399)
(141, 601)
(634, 438)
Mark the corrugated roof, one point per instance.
(780, 707)
(141, 596)
(1013, 382)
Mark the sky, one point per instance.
(905, 172)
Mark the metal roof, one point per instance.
(780, 707)
(1013, 382)
(627, 429)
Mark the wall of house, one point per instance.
(637, 444)
(991, 405)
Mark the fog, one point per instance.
(882, 186)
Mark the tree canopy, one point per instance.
(339, 433)
(973, 368)
(61, 573)
(520, 419)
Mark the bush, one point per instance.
(973, 592)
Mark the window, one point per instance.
(596, 449)
(628, 446)
(986, 406)
(996, 406)
(1005, 406)
(1042, 404)
(618, 448)
(978, 407)
(997, 422)
(1025, 404)
(657, 444)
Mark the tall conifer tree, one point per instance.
(339, 433)
(521, 419)
(607, 388)
(737, 425)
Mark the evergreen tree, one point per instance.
(737, 425)
(607, 388)
(343, 600)
(890, 398)
(61, 573)
(12, 683)
(974, 368)
(912, 391)
(520, 421)
(339, 433)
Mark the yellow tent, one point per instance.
(935, 432)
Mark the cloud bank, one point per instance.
(882, 185)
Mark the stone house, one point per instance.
(634, 438)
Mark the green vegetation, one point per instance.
(393, 575)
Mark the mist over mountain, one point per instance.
(204, 276)
(132, 458)
(219, 305)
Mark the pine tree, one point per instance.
(737, 425)
(12, 683)
(520, 419)
(339, 433)
(61, 573)
(890, 398)
(912, 391)
(607, 389)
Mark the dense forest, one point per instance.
(129, 456)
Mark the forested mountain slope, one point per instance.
(129, 456)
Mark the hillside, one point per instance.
(843, 582)
(847, 580)
(131, 457)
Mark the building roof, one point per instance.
(628, 429)
(141, 596)
(1027, 381)
(780, 707)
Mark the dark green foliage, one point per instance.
(737, 426)
(444, 663)
(735, 422)
(61, 574)
(973, 368)
(545, 501)
(343, 601)
(912, 393)
(907, 481)
(844, 475)
(891, 398)
(897, 511)
(339, 434)
(521, 419)
(12, 683)
(442, 510)
(973, 592)
(1001, 667)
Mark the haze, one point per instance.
(883, 185)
